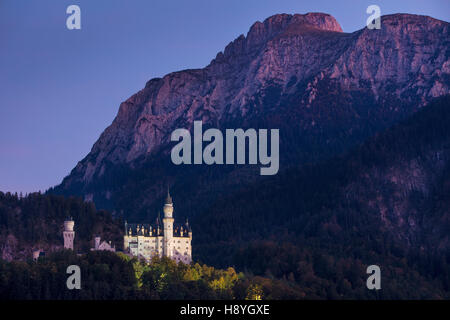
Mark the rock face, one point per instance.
(324, 89)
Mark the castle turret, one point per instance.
(188, 228)
(168, 206)
(189, 243)
(168, 225)
(69, 233)
(125, 237)
(36, 254)
(96, 242)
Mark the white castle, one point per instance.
(102, 245)
(146, 241)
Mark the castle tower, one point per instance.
(125, 237)
(97, 242)
(168, 226)
(188, 228)
(36, 254)
(68, 234)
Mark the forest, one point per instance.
(271, 268)
(116, 276)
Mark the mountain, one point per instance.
(326, 91)
(329, 93)
(364, 156)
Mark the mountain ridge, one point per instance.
(326, 90)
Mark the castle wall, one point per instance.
(147, 247)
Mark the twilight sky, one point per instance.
(60, 88)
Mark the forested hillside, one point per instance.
(36, 221)
(385, 202)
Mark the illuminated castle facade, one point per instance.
(163, 240)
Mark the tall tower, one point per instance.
(168, 226)
(188, 228)
(97, 242)
(68, 234)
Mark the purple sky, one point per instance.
(60, 89)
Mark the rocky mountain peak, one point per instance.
(283, 22)
(278, 25)
(299, 73)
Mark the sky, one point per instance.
(60, 88)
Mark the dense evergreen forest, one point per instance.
(385, 202)
(267, 269)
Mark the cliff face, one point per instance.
(324, 89)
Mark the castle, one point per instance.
(69, 237)
(102, 245)
(144, 240)
(168, 240)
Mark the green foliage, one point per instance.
(254, 292)
(106, 275)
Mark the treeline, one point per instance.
(110, 276)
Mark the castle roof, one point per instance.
(187, 226)
(143, 229)
(168, 198)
